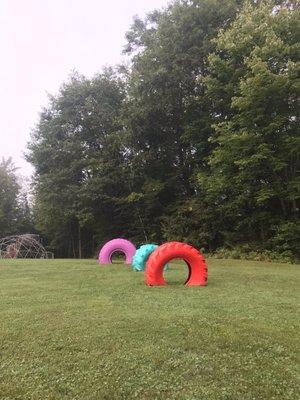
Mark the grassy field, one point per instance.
(71, 329)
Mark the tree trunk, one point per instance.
(79, 242)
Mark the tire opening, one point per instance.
(178, 273)
(117, 257)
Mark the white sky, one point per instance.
(41, 42)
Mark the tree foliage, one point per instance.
(76, 150)
(15, 214)
(195, 140)
(254, 165)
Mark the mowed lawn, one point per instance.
(71, 329)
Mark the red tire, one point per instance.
(170, 250)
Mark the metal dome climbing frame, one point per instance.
(23, 246)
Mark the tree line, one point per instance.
(196, 139)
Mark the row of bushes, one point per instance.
(245, 253)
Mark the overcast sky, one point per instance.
(41, 42)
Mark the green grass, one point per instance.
(71, 329)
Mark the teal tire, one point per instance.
(141, 256)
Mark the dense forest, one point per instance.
(195, 139)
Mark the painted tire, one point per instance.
(123, 245)
(168, 251)
(141, 256)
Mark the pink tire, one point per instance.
(122, 245)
